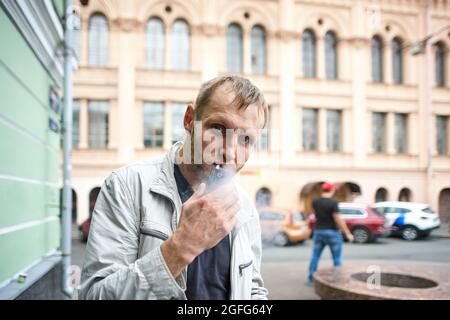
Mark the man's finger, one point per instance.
(222, 189)
(199, 192)
(232, 211)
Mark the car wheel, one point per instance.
(281, 240)
(361, 235)
(410, 233)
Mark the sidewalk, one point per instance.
(287, 280)
(442, 232)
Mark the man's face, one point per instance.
(227, 133)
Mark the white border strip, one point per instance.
(24, 86)
(25, 132)
(26, 225)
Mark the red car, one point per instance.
(365, 223)
(84, 229)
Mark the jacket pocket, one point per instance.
(244, 266)
(154, 229)
(155, 233)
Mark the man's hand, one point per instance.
(349, 237)
(343, 226)
(204, 221)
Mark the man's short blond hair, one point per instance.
(246, 93)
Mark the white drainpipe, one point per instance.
(67, 150)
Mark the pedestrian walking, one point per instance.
(328, 228)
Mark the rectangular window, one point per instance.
(263, 141)
(378, 132)
(98, 124)
(442, 135)
(401, 133)
(309, 129)
(334, 130)
(75, 123)
(153, 124)
(178, 131)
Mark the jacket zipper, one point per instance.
(156, 234)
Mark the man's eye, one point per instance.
(219, 128)
(245, 140)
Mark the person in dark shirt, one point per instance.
(326, 231)
(208, 276)
(179, 226)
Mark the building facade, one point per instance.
(349, 101)
(31, 73)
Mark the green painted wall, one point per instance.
(29, 150)
(22, 248)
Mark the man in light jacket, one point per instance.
(179, 226)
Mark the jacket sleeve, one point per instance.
(259, 292)
(111, 269)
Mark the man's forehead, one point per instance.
(222, 106)
(223, 96)
(251, 117)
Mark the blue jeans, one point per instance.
(322, 238)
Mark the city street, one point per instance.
(285, 269)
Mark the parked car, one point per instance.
(365, 224)
(84, 229)
(282, 227)
(410, 220)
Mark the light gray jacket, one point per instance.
(137, 209)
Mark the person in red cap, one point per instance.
(328, 227)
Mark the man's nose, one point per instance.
(230, 148)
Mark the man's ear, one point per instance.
(188, 121)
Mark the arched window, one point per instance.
(377, 59)
(330, 55)
(397, 60)
(155, 44)
(309, 54)
(263, 197)
(404, 195)
(74, 204)
(258, 49)
(234, 48)
(98, 40)
(93, 199)
(381, 195)
(180, 46)
(444, 207)
(440, 64)
(347, 192)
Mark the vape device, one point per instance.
(217, 177)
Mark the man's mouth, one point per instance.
(218, 165)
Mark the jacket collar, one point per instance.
(165, 183)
